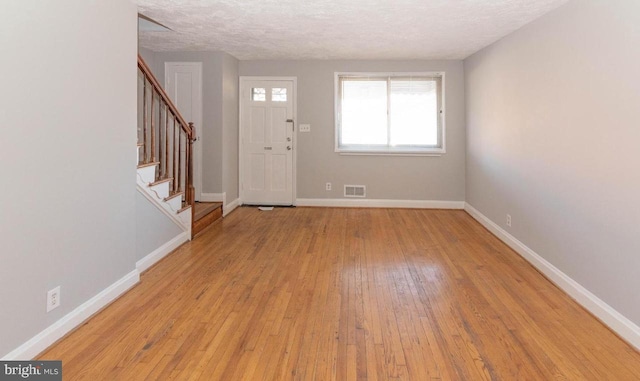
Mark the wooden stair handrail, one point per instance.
(154, 82)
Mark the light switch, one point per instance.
(305, 128)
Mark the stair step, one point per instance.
(173, 195)
(160, 181)
(183, 209)
(140, 144)
(205, 214)
(147, 173)
(201, 209)
(144, 165)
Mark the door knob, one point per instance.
(288, 139)
(288, 148)
(293, 124)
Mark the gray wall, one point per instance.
(149, 58)
(230, 127)
(553, 115)
(153, 228)
(386, 177)
(68, 217)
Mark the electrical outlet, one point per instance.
(508, 220)
(53, 299)
(328, 187)
(305, 128)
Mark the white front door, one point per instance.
(267, 141)
(183, 84)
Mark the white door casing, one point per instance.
(267, 140)
(183, 84)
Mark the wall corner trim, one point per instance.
(161, 252)
(624, 327)
(67, 323)
(379, 203)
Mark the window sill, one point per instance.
(364, 152)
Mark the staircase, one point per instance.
(165, 158)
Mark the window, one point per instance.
(389, 114)
(279, 94)
(258, 94)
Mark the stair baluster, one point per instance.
(144, 120)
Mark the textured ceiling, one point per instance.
(337, 29)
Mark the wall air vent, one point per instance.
(355, 191)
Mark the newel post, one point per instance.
(191, 191)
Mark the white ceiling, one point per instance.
(337, 29)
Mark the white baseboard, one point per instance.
(57, 330)
(228, 208)
(372, 203)
(212, 197)
(624, 327)
(73, 319)
(161, 252)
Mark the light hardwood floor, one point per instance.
(345, 294)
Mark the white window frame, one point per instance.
(387, 150)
